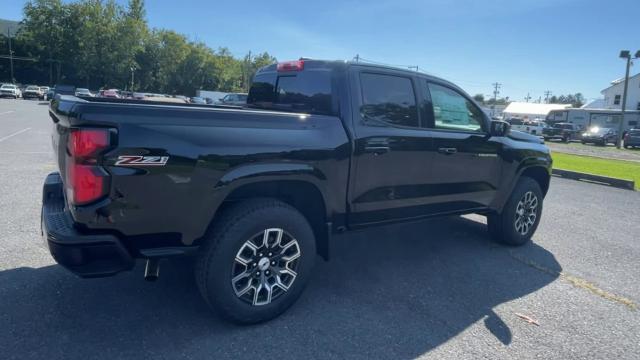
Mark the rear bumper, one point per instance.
(86, 255)
(632, 142)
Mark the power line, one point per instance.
(546, 96)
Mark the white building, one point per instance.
(531, 111)
(613, 94)
(594, 104)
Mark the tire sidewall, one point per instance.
(221, 294)
(510, 235)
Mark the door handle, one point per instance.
(377, 149)
(447, 151)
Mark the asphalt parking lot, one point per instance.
(434, 289)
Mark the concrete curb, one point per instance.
(604, 180)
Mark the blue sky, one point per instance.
(564, 46)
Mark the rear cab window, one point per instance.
(308, 90)
(389, 98)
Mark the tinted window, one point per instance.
(453, 111)
(389, 98)
(304, 91)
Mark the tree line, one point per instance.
(576, 100)
(101, 44)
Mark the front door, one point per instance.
(466, 164)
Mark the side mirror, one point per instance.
(499, 128)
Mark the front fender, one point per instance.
(539, 160)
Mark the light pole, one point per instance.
(625, 54)
(13, 80)
(133, 69)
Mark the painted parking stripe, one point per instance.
(7, 112)
(14, 134)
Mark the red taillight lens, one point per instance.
(85, 181)
(297, 65)
(86, 143)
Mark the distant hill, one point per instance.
(5, 24)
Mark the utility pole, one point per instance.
(496, 91)
(13, 80)
(625, 54)
(528, 97)
(546, 96)
(357, 58)
(133, 69)
(414, 67)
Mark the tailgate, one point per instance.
(59, 135)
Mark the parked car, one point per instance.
(600, 136)
(238, 99)
(561, 131)
(110, 93)
(198, 100)
(181, 97)
(632, 139)
(45, 92)
(32, 92)
(10, 90)
(84, 92)
(61, 89)
(256, 193)
(534, 127)
(517, 124)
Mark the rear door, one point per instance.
(466, 165)
(392, 153)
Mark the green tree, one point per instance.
(479, 98)
(99, 43)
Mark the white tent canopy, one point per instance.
(525, 110)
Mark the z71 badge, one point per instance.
(138, 160)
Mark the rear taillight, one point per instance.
(297, 65)
(85, 180)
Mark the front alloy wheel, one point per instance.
(265, 267)
(526, 213)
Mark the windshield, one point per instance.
(33, 88)
(8, 87)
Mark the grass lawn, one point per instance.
(614, 168)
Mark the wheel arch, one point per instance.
(540, 174)
(303, 195)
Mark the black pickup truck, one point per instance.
(255, 193)
(561, 131)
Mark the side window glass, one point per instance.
(453, 111)
(389, 98)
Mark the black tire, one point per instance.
(502, 227)
(230, 233)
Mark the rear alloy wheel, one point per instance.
(520, 217)
(265, 267)
(256, 260)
